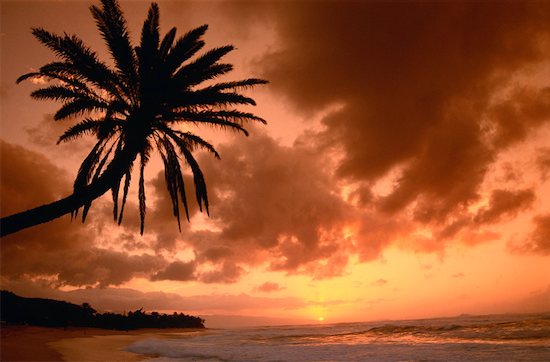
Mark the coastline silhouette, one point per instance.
(16, 310)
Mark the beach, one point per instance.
(24, 343)
(453, 339)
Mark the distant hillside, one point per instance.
(53, 313)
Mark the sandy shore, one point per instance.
(19, 343)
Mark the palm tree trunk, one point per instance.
(42, 214)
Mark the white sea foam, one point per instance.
(487, 338)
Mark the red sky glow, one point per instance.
(404, 171)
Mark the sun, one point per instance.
(321, 319)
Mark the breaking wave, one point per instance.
(484, 338)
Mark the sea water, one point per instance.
(464, 338)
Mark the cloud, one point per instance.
(421, 89)
(227, 272)
(106, 267)
(60, 252)
(538, 241)
(28, 179)
(543, 162)
(269, 287)
(278, 203)
(46, 133)
(125, 299)
(522, 111)
(424, 98)
(505, 202)
(177, 270)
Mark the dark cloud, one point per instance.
(268, 198)
(543, 162)
(420, 89)
(505, 202)
(28, 179)
(468, 227)
(538, 242)
(106, 267)
(61, 252)
(375, 232)
(525, 109)
(423, 99)
(226, 272)
(177, 270)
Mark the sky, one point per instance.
(404, 171)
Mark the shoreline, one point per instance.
(29, 343)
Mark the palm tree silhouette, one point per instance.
(134, 109)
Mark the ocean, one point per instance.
(464, 338)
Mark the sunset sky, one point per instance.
(404, 171)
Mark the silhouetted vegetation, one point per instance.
(144, 102)
(54, 313)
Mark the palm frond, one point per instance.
(173, 177)
(148, 58)
(189, 140)
(56, 93)
(203, 68)
(208, 97)
(116, 187)
(127, 178)
(80, 60)
(198, 178)
(74, 83)
(166, 43)
(242, 84)
(87, 126)
(63, 71)
(150, 32)
(114, 194)
(113, 28)
(232, 120)
(79, 106)
(69, 48)
(185, 47)
(141, 192)
(28, 76)
(87, 166)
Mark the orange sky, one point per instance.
(404, 171)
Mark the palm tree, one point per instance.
(134, 109)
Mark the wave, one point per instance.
(487, 338)
(516, 330)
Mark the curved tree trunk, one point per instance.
(42, 214)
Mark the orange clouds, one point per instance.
(266, 197)
(539, 240)
(430, 98)
(504, 202)
(28, 179)
(269, 287)
(61, 252)
(432, 95)
(416, 81)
